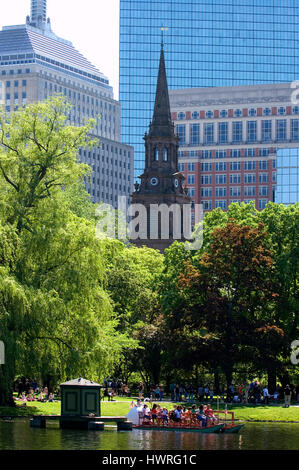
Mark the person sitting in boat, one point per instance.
(164, 415)
(177, 414)
(154, 413)
(200, 416)
(211, 418)
(146, 414)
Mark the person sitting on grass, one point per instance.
(51, 398)
(40, 396)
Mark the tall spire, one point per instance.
(38, 14)
(161, 124)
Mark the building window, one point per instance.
(281, 110)
(220, 166)
(252, 112)
(194, 134)
(238, 113)
(249, 191)
(281, 129)
(222, 132)
(295, 110)
(295, 129)
(234, 191)
(209, 133)
(236, 153)
(165, 154)
(181, 166)
(181, 132)
(209, 114)
(249, 165)
(235, 166)
(249, 178)
(206, 154)
(220, 203)
(267, 112)
(24, 82)
(251, 131)
(220, 153)
(262, 203)
(220, 192)
(223, 113)
(249, 152)
(235, 178)
(263, 165)
(263, 178)
(195, 115)
(206, 167)
(156, 154)
(181, 116)
(266, 131)
(191, 166)
(206, 192)
(206, 179)
(207, 205)
(263, 190)
(237, 131)
(220, 179)
(191, 179)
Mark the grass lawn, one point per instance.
(121, 407)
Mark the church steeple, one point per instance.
(161, 183)
(161, 125)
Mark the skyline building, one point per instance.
(209, 43)
(287, 190)
(229, 139)
(36, 64)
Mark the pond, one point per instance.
(18, 435)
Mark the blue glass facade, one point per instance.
(287, 190)
(208, 43)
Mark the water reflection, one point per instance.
(254, 436)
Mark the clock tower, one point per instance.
(161, 184)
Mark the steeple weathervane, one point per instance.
(162, 35)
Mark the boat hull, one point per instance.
(204, 430)
(232, 429)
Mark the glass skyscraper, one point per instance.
(208, 43)
(287, 190)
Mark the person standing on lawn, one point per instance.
(287, 396)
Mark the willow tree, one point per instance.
(54, 314)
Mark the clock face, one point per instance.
(154, 181)
(176, 183)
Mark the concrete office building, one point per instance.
(36, 64)
(229, 139)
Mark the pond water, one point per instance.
(18, 435)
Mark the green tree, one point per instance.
(55, 316)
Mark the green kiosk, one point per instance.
(80, 404)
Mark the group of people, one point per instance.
(114, 387)
(179, 415)
(29, 390)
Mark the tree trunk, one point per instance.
(216, 381)
(271, 380)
